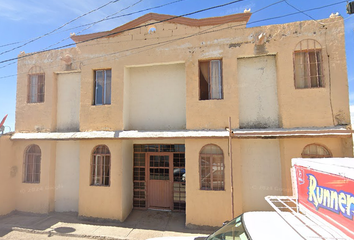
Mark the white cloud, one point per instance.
(78, 8)
(23, 10)
(59, 12)
(352, 114)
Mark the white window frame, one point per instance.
(107, 83)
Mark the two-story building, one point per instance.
(201, 116)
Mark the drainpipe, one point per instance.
(231, 168)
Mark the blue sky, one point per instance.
(25, 20)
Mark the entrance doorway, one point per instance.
(159, 180)
(159, 176)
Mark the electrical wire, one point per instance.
(110, 18)
(302, 12)
(114, 33)
(9, 44)
(169, 41)
(199, 33)
(48, 33)
(90, 26)
(127, 14)
(93, 23)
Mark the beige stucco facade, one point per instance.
(8, 173)
(155, 100)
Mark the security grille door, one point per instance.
(159, 181)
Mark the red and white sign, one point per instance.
(329, 196)
(3, 121)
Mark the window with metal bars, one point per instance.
(102, 87)
(32, 164)
(210, 80)
(36, 85)
(100, 166)
(315, 151)
(308, 71)
(211, 166)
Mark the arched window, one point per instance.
(211, 160)
(315, 151)
(35, 89)
(308, 72)
(101, 166)
(32, 164)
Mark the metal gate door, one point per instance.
(160, 179)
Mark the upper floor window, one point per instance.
(308, 64)
(102, 87)
(315, 151)
(210, 80)
(100, 166)
(211, 160)
(36, 79)
(32, 165)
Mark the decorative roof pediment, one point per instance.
(144, 20)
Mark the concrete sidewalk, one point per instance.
(139, 225)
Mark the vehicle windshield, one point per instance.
(231, 231)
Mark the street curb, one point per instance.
(53, 232)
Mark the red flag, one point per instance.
(3, 121)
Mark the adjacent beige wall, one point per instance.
(261, 167)
(8, 173)
(257, 90)
(331, 101)
(127, 179)
(40, 117)
(156, 97)
(36, 197)
(102, 201)
(332, 105)
(204, 207)
(68, 109)
(261, 172)
(67, 176)
(268, 159)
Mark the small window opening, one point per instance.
(101, 166)
(210, 80)
(103, 87)
(308, 72)
(151, 29)
(315, 151)
(36, 85)
(211, 165)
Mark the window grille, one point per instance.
(36, 85)
(211, 161)
(315, 151)
(100, 166)
(32, 164)
(308, 69)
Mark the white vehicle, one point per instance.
(322, 207)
